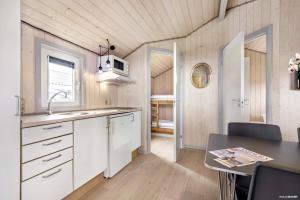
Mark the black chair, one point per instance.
(274, 182)
(298, 134)
(261, 131)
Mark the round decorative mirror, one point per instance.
(200, 76)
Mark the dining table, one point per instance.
(283, 153)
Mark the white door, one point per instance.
(136, 131)
(246, 104)
(9, 99)
(177, 63)
(90, 149)
(233, 81)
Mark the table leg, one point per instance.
(227, 186)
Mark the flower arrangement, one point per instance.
(294, 63)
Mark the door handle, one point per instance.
(47, 176)
(48, 144)
(17, 105)
(52, 127)
(53, 158)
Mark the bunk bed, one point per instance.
(159, 125)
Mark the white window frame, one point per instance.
(44, 50)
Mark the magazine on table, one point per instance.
(236, 157)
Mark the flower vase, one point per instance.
(295, 80)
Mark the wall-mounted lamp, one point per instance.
(100, 69)
(108, 64)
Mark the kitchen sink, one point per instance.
(84, 113)
(67, 113)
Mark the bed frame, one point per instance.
(155, 105)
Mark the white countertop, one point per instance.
(43, 119)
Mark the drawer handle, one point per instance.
(55, 157)
(47, 176)
(52, 127)
(51, 143)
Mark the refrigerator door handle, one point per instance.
(17, 105)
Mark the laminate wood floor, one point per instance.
(163, 147)
(150, 177)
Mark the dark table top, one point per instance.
(285, 154)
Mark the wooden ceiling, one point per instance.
(160, 63)
(126, 23)
(259, 44)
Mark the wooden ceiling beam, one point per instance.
(222, 9)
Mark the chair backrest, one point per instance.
(261, 131)
(273, 182)
(298, 134)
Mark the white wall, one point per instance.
(10, 86)
(96, 95)
(289, 44)
(201, 105)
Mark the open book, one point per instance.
(236, 157)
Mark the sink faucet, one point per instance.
(51, 99)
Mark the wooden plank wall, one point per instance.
(200, 106)
(138, 94)
(96, 95)
(289, 45)
(163, 85)
(257, 99)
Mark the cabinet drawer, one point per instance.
(37, 150)
(54, 184)
(39, 133)
(45, 163)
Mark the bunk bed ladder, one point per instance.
(155, 113)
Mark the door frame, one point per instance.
(151, 50)
(268, 31)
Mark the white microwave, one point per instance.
(118, 65)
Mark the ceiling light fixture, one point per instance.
(100, 69)
(107, 63)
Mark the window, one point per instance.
(61, 77)
(59, 71)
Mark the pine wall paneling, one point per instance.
(96, 95)
(257, 99)
(289, 44)
(200, 106)
(163, 85)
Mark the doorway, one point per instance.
(246, 79)
(256, 79)
(162, 104)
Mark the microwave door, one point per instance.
(118, 65)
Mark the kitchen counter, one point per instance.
(43, 119)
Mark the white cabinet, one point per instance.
(136, 131)
(40, 165)
(39, 133)
(39, 149)
(10, 63)
(90, 149)
(47, 161)
(51, 185)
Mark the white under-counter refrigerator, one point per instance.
(119, 142)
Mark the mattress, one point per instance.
(164, 124)
(163, 97)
